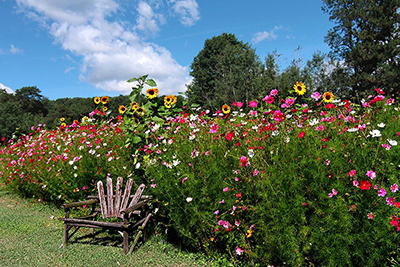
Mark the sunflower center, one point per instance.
(328, 97)
(299, 88)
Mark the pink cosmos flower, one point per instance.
(301, 134)
(316, 96)
(225, 189)
(386, 146)
(370, 215)
(381, 192)
(239, 251)
(394, 188)
(239, 104)
(253, 104)
(355, 183)
(389, 101)
(214, 128)
(371, 174)
(253, 112)
(216, 212)
(352, 173)
(268, 99)
(243, 161)
(334, 193)
(274, 92)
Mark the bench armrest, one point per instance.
(133, 207)
(80, 203)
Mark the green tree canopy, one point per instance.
(367, 38)
(224, 71)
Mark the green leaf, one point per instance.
(136, 139)
(132, 80)
(157, 119)
(151, 82)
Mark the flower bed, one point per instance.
(276, 181)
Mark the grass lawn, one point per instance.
(31, 235)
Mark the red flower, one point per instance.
(301, 134)
(365, 185)
(330, 106)
(380, 91)
(229, 136)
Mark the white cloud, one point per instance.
(8, 89)
(271, 35)
(188, 10)
(148, 20)
(111, 51)
(15, 50)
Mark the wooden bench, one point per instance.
(112, 205)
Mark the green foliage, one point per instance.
(225, 70)
(366, 37)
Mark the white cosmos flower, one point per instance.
(313, 122)
(351, 130)
(392, 142)
(188, 199)
(250, 153)
(381, 125)
(375, 133)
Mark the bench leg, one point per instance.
(126, 242)
(65, 235)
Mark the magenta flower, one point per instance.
(371, 174)
(225, 189)
(390, 201)
(352, 173)
(394, 188)
(268, 99)
(370, 215)
(253, 104)
(239, 104)
(355, 183)
(381, 192)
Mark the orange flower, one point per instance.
(152, 93)
(122, 109)
(226, 109)
(104, 100)
(327, 97)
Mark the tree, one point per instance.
(225, 70)
(367, 38)
(31, 100)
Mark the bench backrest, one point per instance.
(112, 205)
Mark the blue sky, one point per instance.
(85, 48)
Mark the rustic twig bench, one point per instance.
(111, 206)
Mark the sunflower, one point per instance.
(62, 119)
(63, 124)
(134, 106)
(327, 97)
(167, 105)
(170, 100)
(97, 100)
(76, 121)
(105, 109)
(141, 111)
(104, 100)
(122, 109)
(248, 234)
(299, 88)
(152, 93)
(226, 109)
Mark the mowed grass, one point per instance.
(31, 235)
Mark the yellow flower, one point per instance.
(134, 106)
(97, 100)
(62, 119)
(105, 109)
(152, 93)
(76, 121)
(63, 124)
(141, 111)
(104, 100)
(327, 97)
(167, 105)
(122, 109)
(170, 100)
(226, 109)
(300, 88)
(248, 233)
